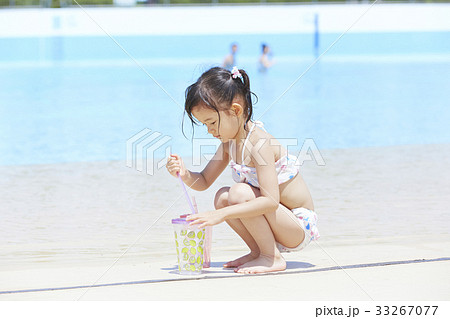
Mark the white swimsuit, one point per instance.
(285, 167)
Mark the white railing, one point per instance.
(131, 3)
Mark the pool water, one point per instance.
(84, 108)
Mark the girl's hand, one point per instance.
(206, 219)
(175, 165)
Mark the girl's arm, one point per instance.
(267, 202)
(215, 167)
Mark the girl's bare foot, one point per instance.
(263, 264)
(241, 260)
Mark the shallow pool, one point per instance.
(83, 105)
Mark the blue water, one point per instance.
(62, 100)
(144, 47)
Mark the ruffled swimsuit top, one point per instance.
(285, 167)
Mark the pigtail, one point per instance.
(247, 94)
(245, 80)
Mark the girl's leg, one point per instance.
(220, 201)
(280, 226)
(270, 258)
(286, 227)
(259, 230)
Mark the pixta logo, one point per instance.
(141, 149)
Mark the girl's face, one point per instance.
(230, 122)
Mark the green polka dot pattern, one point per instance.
(189, 245)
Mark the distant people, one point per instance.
(265, 60)
(230, 59)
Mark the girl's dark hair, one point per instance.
(216, 89)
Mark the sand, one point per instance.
(383, 217)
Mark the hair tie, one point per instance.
(236, 74)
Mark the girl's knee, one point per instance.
(221, 198)
(240, 193)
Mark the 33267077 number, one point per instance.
(406, 310)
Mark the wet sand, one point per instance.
(66, 224)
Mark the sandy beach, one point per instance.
(383, 217)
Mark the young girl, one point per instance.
(270, 206)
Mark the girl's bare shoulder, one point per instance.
(259, 134)
(261, 137)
